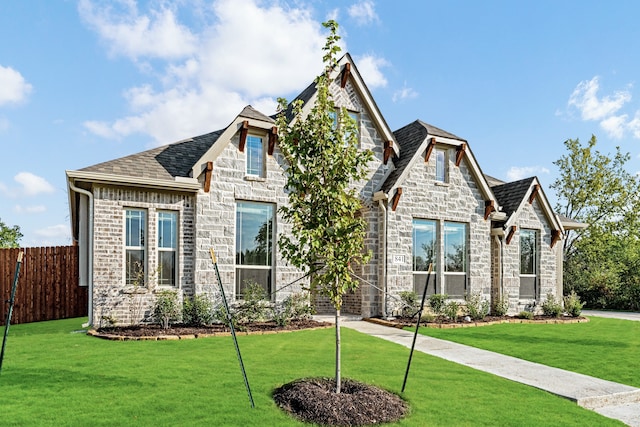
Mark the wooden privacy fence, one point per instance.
(47, 286)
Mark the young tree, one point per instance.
(324, 163)
(9, 236)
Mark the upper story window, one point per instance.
(353, 115)
(255, 156)
(441, 165)
(167, 248)
(135, 248)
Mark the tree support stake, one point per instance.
(11, 302)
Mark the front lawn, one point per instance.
(54, 375)
(602, 348)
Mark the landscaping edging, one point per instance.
(169, 337)
(476, 324)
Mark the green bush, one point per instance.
(477, 307)
(437, 303)
(572, 304)
(253, 307)
(294, 307)
(451, 310)
(427, 317)
(552, 307)
(197, 311)
(525, 315)
(410, 303)
(166, 308)
(500, 306)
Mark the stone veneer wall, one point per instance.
(458, 200)
(111, 297)
(216, 212)
(530, 217)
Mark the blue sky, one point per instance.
(82, 82)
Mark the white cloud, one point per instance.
(363, 12)
(605, 109)
(246, 55)
(404, 93)
(33, 185)
(29, 209)
(369, 67)
(614, 126)
(585, 99)
(516, 173)
(129, 33)
(13, 87)
(59, 231)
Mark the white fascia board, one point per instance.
(223, 140)
(183, 184)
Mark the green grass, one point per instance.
(602, 348)
(55, 376)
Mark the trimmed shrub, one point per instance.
(253, 307)
(477, 307)
(197, 311)
(500, 306)
(410, 304)
(451, 310)
(294, 307)
(525, 315)
(552, 307)
(166, 308)
(437, 303)
(572, 304)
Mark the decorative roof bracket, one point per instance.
(489, 206)
(427, 154)
(273, 139)
(460, 153)
(534, 193)
(345, 75)
(388, 151)
(396, 198)
(512, 231)
(243, 135)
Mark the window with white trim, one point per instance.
(441, 165)
(255, 156)
(254, 245)
(135, 248)
(424, 253)
(353, 115)
(528, 264)
(455, 258)
(167, 248)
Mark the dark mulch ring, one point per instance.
(148, 330)
(461, 321)
(314, 400)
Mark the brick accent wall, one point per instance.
(111, 296)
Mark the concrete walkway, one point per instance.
(613, 400)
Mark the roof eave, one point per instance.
(179, 184)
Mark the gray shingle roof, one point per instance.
(165, 162)
(251, 113)
(410, 138)
(511, 194)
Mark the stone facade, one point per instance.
(458, 200)
(530, 216)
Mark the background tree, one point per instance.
(324, 162)
(9, 236)
(602, 262)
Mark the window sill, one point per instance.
(441, 184)
(255, 178)
(135, 290)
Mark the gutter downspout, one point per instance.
(90, 251)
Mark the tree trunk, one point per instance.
(338, 373)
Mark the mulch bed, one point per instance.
(441, 322)
(155, 332)
(314, 400)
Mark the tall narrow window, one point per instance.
(135, 249)
(441, 165)
(455, 258)
(254, 245)
(528, 263)
(424, 253)
(167, 248)
(255, 156)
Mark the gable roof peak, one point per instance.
(251, 113)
